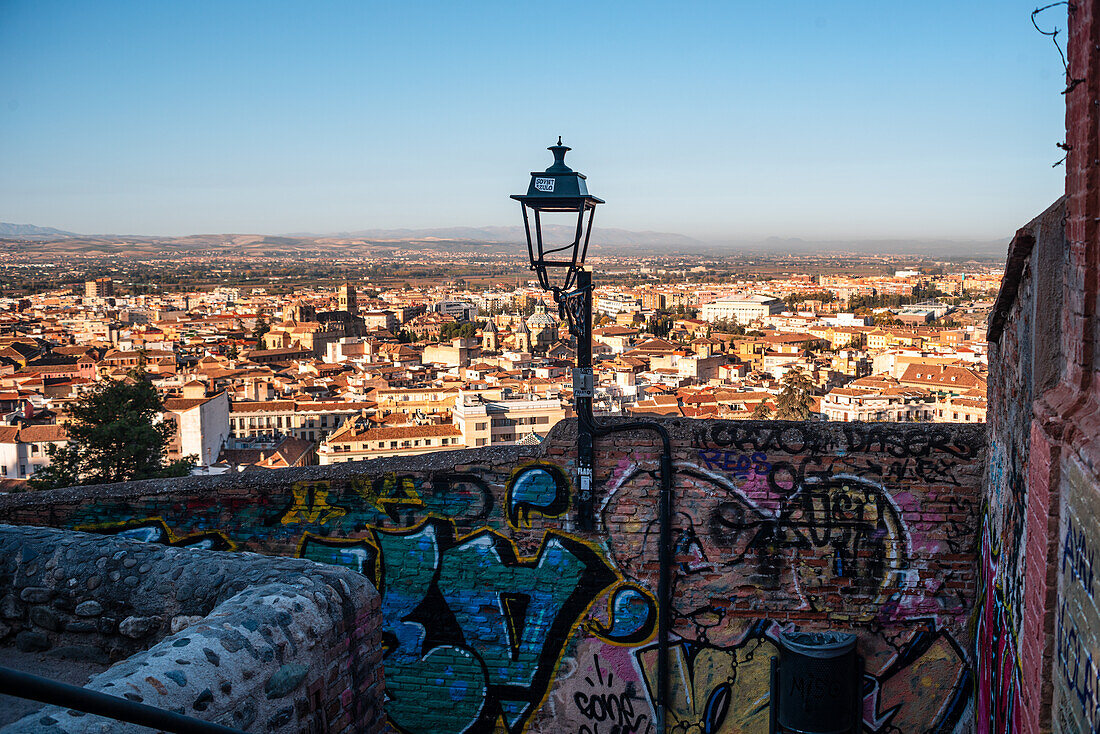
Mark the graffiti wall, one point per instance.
(1076, 705)
(500, 615)
(1015, 545)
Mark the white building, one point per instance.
(202, 426)
(23, 449)
(492, 418)
(616, 303)
(876, 399)
(744, 310)
(461, 310)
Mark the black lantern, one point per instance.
(558, 189)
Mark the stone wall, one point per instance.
(499, 613)
(255, 643)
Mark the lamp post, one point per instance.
(561, 190)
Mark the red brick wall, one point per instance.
(1045, 446)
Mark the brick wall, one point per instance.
(1012, 643)
(1043, 489)
(499, 613)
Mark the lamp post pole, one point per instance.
(561, 190)
(583, 392)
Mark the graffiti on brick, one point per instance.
(792, 438)
(358, 555)
(484, 625)
(309, 505)
(741, 466)
(632, 614)
(156, 530)
(389, 493)
(539, 487)
(1076, 675)
(719, 690)
(924, 686)
(1077, 671)
(604, 708)
(1078, 557)
(822, 544)
(497, 617)
(927, 686)
(998, 668)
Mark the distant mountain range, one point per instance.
(29, 230)
(513, 235)
(928, 247)
(17, 239)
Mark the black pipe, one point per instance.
(580, 323)
(25, 685)
(664, 557)
(587, 429)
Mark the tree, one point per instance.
(113, 437)
(453, 330)
(793, 403)
(261, 328)
(761, 412)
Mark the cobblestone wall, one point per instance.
(498, 613)
(256, 643)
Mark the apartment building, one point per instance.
(616, 303)
(885, 402)
(201, 424)
(744, 310)
(967, 408)
(487, 420)
(308, 420)
(99, 288)
(356, 441)
(23, 449)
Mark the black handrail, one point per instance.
(26, 685)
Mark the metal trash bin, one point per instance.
(817, 684)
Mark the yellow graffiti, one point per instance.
(311, 505)
(389, 492)
(732, 686)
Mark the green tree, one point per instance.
(793, 402)
(761, 412)
(113, 436)
(455, 330)
(261, 328)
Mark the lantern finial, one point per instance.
(559, 152)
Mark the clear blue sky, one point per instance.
(727, 120)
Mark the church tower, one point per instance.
(347, 299)
(490, 337)
(522, 337)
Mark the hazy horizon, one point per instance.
(717, 121)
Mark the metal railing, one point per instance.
(25, 685)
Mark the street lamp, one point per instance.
(561, 190)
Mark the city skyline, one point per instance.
(718, 122)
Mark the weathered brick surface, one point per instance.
(496, 608)
(1038, 634)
